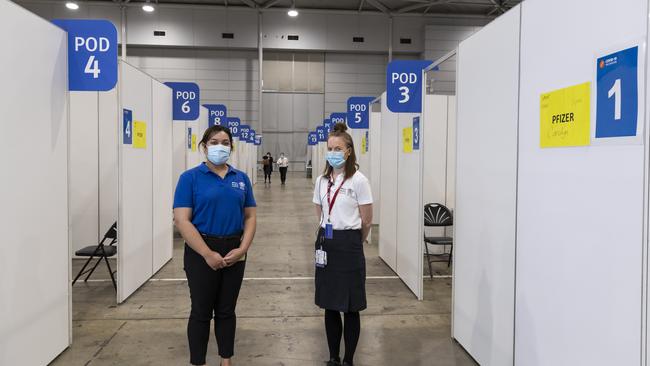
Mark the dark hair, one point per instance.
(351, 165)
(213, 131)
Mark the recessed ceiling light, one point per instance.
(72, 6)
(292, 12)
(148, 8)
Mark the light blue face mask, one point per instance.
(218, 154)
(336, 159)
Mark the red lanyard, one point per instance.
(331, 202)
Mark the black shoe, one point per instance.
(346, 363)
(334, 362)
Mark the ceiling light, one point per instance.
(148, 7)
(292, 11)
(72, 6)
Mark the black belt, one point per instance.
(230, 237)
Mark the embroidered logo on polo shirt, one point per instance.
(234, 184)
(242, 186)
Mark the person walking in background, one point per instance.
(214, 210)
(344, 207)
(283, 165)
(267, 165)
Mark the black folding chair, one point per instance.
(101, 251)
(437, 215)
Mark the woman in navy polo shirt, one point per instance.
(214, 210)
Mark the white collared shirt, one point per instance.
(345, 213)
(283, 162)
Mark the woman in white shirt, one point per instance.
(283, 164)
(344, 206)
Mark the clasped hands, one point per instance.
(216, 261)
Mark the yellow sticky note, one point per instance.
(139, 135)
(407, 139)
(193, 142)
(363, 145)
(565, 117)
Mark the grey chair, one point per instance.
(437, 215)
(101, 251)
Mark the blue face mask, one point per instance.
(336, 159)
(218, 154)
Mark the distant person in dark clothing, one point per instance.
(267, 162)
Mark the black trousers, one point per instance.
(283, 174)
(214, 295)
(267, 173)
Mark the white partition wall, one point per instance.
(179, 149)
(35, 313)
(363, 157)
(109, 131)
(580, 209)
(163, 190)
(435, 164)
(135, 226)
(84, 169)
(389, 153)
(486, 176)
(451, 154)
(374, 138)
(409, 212)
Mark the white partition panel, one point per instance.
(163, 190)
(314, 158)
(374, 148)
(579, 210)
(179, 149)
(451, 155)
(486, 175)
(389, 153)
(409, 207)
(35, 252)
(84, 169)
(435, 114)
(363, 157)
(234, 155)
(136, 200)
(192, 154)
(109, 130)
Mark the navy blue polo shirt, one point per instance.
(217, 203)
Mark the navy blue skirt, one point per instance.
(341, 285)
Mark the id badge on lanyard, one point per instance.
(321, 258)
(329, 229)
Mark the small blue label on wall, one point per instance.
(337, 118)
(322, 136)
(233, 124)
(92, 54)
(617, 94)
(244, 133)
(367, 141)
(127, 124)
(189, 138)
(404, 85)
(327, 124)
(416, 133)
(186, 101)
(312, 139)
(359, 112)
(217, 114)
